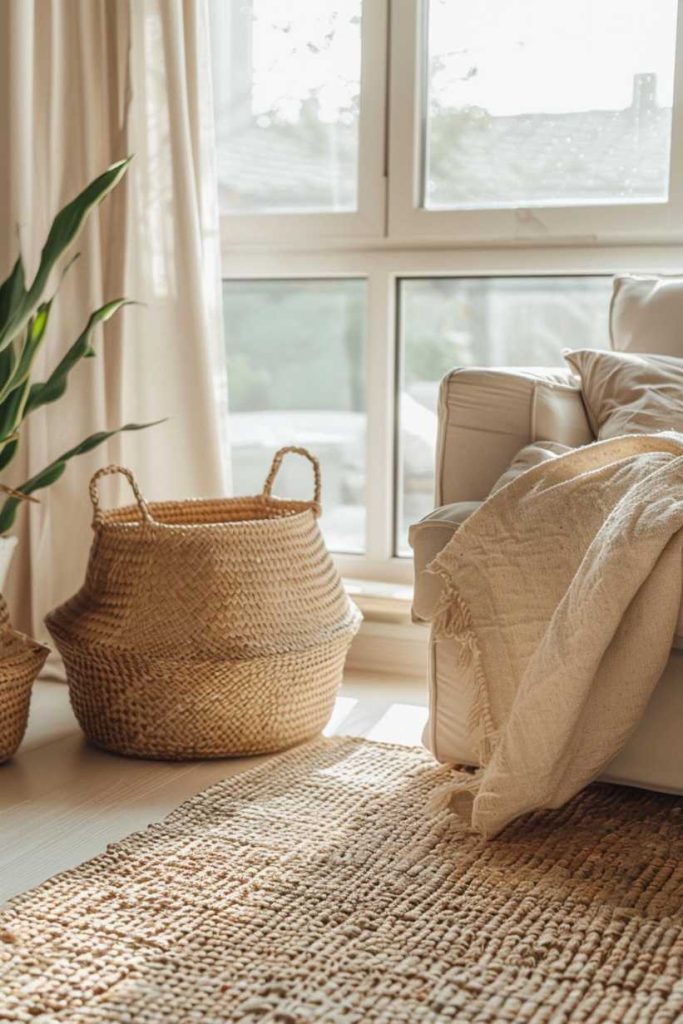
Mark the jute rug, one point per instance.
(319, 887)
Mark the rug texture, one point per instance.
(319, 887)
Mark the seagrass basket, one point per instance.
(206, 628)
(21, 659)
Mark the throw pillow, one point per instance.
(629, 393)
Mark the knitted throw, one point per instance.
(563, 590)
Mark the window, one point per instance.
(528, 121)
(287, 97)
(482, 321)
(412, 186)
(299, 92)
(296, 356)
(532, 103)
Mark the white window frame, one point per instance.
(593, 224)
(391, 238)
(368, 221)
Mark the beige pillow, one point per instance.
(629, 393)
(646, 314)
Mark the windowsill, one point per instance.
(381, 601)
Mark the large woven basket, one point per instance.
(206, 628)
(21, 659)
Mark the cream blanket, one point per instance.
(564, 589)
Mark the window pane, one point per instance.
(286, 98)
(495, 321)
(296, 375)
(532, 103)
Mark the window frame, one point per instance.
(390, 239)
(594, 224)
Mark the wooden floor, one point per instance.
(62, 801)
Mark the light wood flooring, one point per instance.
(62, 801)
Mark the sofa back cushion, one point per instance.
(646, 315)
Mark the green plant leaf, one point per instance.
(35, 332)
(17, 368)
(54, 470)
(12, 292)
(8, 365)
(64, 230)
(55, 386)
(7, 453)
(11, 411)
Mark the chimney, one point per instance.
(644, 93)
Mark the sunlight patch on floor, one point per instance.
(400, 723)
(342, 709)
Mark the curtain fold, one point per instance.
(85, 82)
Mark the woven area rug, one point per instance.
(319, 887)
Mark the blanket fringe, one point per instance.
(457, 796)
(452, 621)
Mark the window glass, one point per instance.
(532, 103)
(296, 375)
(286, 101)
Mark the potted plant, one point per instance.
(24, 319)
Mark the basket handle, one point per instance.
(277, 462)
(95, 494)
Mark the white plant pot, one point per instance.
(7, 546)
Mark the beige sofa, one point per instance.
(485, 417)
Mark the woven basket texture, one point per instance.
(21, 659)
(206, 628)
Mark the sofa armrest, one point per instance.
(427, 538)
(487, 415)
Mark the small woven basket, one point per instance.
(21, 659)
(206, 628)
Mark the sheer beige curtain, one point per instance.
(83, 83)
